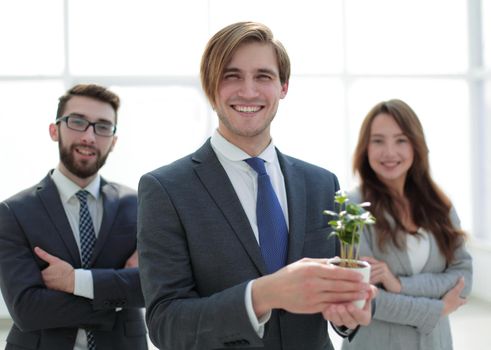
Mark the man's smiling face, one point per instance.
(249, 94)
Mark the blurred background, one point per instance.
(347, 55)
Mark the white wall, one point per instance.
(481, 254)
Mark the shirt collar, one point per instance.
(68, 188)
(234, 153)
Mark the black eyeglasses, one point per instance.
(78, 123)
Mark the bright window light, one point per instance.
(310, 124)
(148, 37)
(31, 37)
(399, 36)
(486, 38)
(27, 109)
(156, 126)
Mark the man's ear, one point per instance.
(284, 90)
(53, 132)
(115, 138)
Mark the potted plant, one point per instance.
(347, 225)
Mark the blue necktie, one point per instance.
(273, 232)
(87, 242)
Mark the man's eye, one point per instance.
(77, 121)
(230, 77)
(105, 127)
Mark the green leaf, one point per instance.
(349, 223)
(329, 212)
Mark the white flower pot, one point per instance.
(362, 267)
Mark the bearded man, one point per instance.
(68, 264)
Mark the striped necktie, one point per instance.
(87, 242)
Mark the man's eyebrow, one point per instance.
(83, 116)
(268, 71)
(74, 114)
(231, 70)
(260, 70)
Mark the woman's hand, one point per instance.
(452, 300)
(380, 273)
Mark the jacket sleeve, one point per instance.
(117, 288)
(419, 312)
(435, 285)
(177, 316)
(32, 305)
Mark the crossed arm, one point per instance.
(32, 305)
(40, 299)
(60, 275)
(422, 299)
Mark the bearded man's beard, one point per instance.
(82, 169)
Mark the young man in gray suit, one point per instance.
(68, 265)
(232, 241)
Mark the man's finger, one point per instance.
(50, 259)
(367, 258)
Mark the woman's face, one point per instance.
(390, 153)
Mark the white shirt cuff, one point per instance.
(84, 284)
(257, 324)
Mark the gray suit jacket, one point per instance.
(412, 319)
(198, 252)
(47, 319)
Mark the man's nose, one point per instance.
(89, 135)
(248, 88)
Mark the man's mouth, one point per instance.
(85, 151)
(247, 109)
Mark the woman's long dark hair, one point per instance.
(429, 205)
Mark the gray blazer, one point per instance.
(46, 319)
(198, 252)
(412, 319)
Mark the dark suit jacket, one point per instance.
(198, 252)
(48, 319)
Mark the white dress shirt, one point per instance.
(84, 285)
(244, 181)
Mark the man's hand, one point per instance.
(349, 315)
(380, 273)
(452, 300)
(59, 275)
(307, 286)
(132, 260)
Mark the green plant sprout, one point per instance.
(348, 226)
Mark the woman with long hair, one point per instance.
(416, 247)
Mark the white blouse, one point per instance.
(418, 249)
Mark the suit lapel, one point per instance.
(296, 197)
(111, 203)
(48, 193)
(395, 255)
(215, 180)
